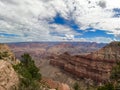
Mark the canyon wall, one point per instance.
(95, 66)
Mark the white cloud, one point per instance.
(113, 4)
(29, 19)
(69, 37)
(95, 39)
(100, 39)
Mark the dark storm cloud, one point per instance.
(102, 4)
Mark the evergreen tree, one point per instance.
(29, 72)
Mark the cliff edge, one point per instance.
(9, 79)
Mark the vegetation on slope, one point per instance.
(76, 86)
(29, 73)
(114, 83)
(118, 43)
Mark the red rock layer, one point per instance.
(84, 66)
(96, 66)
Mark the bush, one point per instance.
(3, 54)
(29, 64)
(76, 86)
(115, 74)
(118, 43)
(29, 73)
(115, 79)
(108, 86)
(26, 85)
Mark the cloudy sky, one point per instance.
(59, 20)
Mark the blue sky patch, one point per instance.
(58, 19)
(117, 12)
(88, 33)
(96, 33)
(8, 35)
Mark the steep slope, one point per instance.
(109, 52)
(8, 77)
(55, 84)
(7, 55)
(14, 75)
(95, 66)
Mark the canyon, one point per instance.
(44, 52)
(10, 78)
(40, 50)
(84, 62)
(95, 66)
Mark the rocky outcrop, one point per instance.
(8, 77)
(55, 84)
(110, 52)
(7, 55)
(11, 80)
(95, 66)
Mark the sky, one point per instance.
(59, 20)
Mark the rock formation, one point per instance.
(8, 77)
(110, 52)
(95, 66)
(45, 49)
(55, 84)
(7, 55)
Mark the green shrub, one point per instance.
(29, 73)
(118, 43)
(114, 78)
(22, 71)
(108, 86)
(25, 84)
(3, 54)
(115, 74)
(76, 86)
(29, 64)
